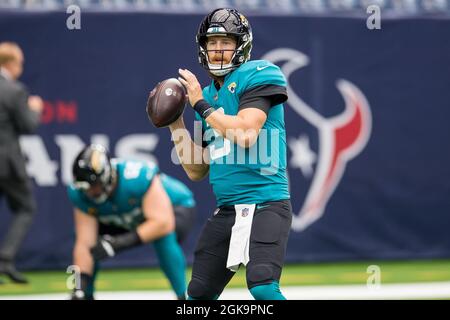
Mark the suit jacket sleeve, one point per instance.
(25, 120)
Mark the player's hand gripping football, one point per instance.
(193, 87)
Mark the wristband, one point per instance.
(203, 108)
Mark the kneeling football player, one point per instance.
(120, 204)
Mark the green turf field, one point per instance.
(293, 275)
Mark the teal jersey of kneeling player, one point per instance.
(124, 207)
(247, 175)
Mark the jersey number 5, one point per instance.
(220, 146)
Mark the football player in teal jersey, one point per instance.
(244, 153)
(120, 204)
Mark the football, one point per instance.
(166, 102)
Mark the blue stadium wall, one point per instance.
(367, 125)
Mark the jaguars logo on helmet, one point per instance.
(225, 22)
(244, 20)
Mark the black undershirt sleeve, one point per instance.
(263, 97)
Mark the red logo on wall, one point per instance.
(59, 112)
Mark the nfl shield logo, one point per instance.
(245, 212)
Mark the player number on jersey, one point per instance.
(132, 170)
(216, 152)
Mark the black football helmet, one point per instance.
(92, 169)
(225, 22)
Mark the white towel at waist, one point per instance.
(238, 252)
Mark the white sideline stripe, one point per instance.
(428, 290)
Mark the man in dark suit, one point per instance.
(19, 114)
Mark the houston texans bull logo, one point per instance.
(341, 138)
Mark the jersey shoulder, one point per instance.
(135, 176)
(76, 198)
(259, 72)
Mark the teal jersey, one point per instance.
(124, 207)
(247, 175)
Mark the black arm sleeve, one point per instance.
(263, 97)
(126, 240)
